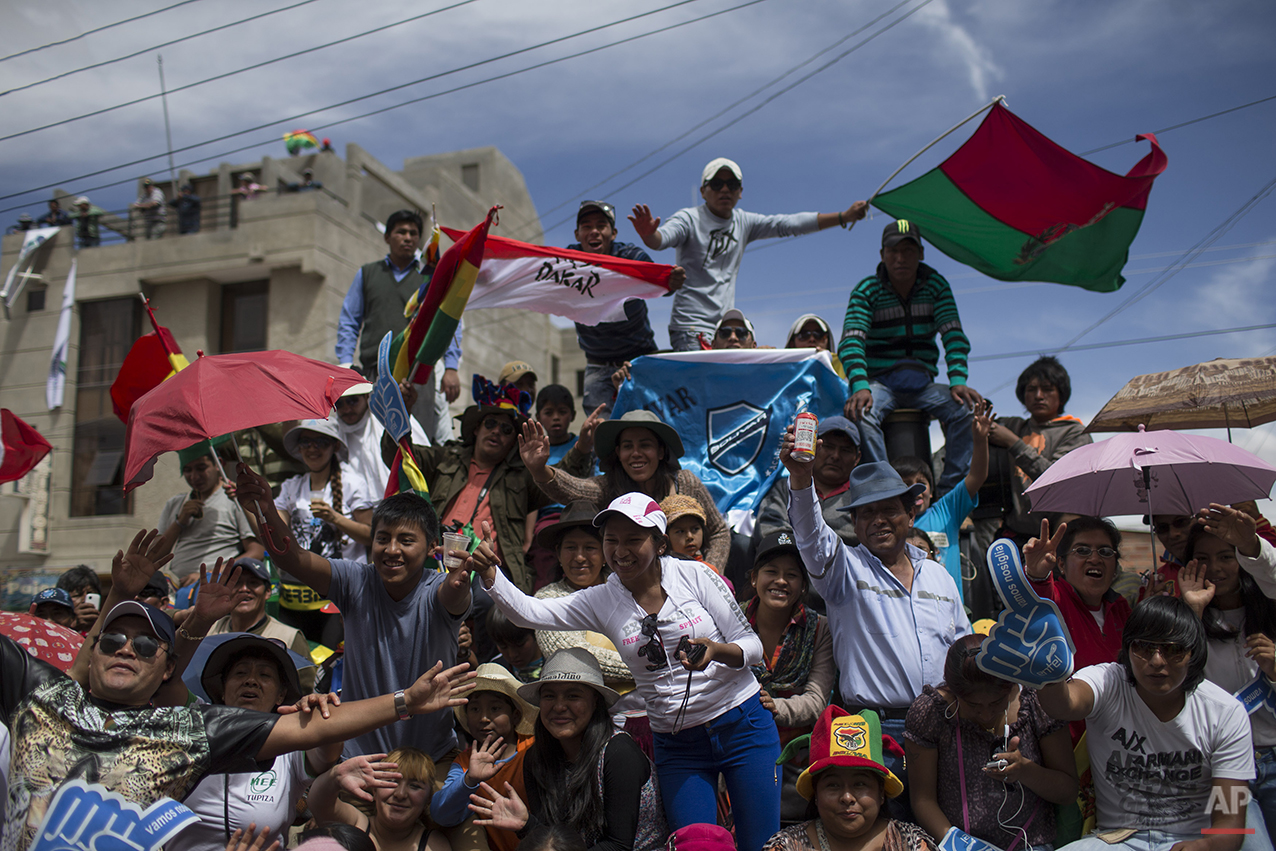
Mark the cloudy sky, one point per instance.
(1086, 74)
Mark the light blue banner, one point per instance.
(89, 817)
(958, 840)
(731, 415)
(1258, 694)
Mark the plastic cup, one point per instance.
(456, 548)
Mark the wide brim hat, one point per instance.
(843, 740)
(328, 428)
(579, 514)
(876, 481)
(570, 665)
(493, 677)
(608, 432)
(210, 674)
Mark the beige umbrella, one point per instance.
(1223, 393)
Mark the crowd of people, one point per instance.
(558, 648)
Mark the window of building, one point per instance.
(35, 299)
(553, 369)
(108, 330)
(244, 317)
(580, 383)
(470, 176)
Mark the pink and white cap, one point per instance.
(637, 507)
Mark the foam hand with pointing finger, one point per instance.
(1029, 644)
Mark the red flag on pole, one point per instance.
(153, 358)
(23, 447)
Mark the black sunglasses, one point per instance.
(144, 646)
(1178, 524)
(653, 650)
(731, 331)
(506, 427)
(717, 183)
(348, 401)
(810, 335)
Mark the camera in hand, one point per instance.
(695, 652)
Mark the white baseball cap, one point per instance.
(637, 507)
(716, 166)
(734, 313)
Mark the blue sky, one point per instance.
(1085, 74)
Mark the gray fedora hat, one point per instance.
(570, 665)
(578, 514)
(606, 434)
(876, 481)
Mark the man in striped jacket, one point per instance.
(891, 357)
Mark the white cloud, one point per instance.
(980, 69)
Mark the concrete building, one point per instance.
(265, 273)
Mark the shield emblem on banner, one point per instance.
(735, 436)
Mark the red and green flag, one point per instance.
(416, 349)
(152, 360)
(1018, 207)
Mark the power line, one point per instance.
(1183, 124)
(1191, 254)
(153, 48)
(759, 106)
(92, 31)
(710, 119)
(363, 115)
(246, 68)
(1116, 343)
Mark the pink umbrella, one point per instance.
(1151, 472)
(219, 394)
(43, 639)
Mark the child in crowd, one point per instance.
(923, 542)
(686, 525)
(516, 647)
(942, 519)
(500, 724)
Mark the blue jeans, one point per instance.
(1263, 788)
(935, 400)
(742, 744)
(1144, 840)
(598, 387)
(684, 340)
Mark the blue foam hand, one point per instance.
(387, 400)
(89, 817)
(958, 840)
(1258, 694)
(1029, 644)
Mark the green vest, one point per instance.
(383, 301)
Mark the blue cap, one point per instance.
(160, 622)
(53, 595)
(840, 424)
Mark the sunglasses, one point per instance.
(732, 331)
(716, 184)
(1086, 551)
(809, 335)
(1178, 525)
(1147, 650)
(316, 442)
(144, 646)
(653, 650)
(348, 401)
(505, 426)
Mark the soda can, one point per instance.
(804, 426)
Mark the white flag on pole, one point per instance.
(54, 389)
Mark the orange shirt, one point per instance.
(511, 772)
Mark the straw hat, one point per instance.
(493, 677)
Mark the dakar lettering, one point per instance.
(581, 277)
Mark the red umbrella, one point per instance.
(43, 639)
(219, 394)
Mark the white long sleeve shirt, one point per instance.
(698, 604)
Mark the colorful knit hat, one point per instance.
(492, 398)
(848, 741)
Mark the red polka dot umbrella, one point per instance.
(43, 639)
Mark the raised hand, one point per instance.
(359, 774)
(533, 447)
(1041, 554)
(492, 809)
(218, 593)
(621, 375)
(131, 570)
(981, 426)
(585, 440)
(1235, 527)
(644, 223)
(439, 689)
(1194, 588)
(253, 491)
(246, 841)
(408, 389)
(483, 760)
(800, 472)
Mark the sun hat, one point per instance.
(638, 507)
(494, 677)
(328, 428)
(876, 481)
(579, 514)
(608, 432)
(161, 623)
(897, 232)
(571, 664)
(841, 424)
(717, 165)
(210, 674)
(489, 398)
(848, 741)
(680, 505)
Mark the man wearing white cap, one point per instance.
(362, 433)
(711, 240)
(735, 331)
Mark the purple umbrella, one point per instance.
(1151, 472)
